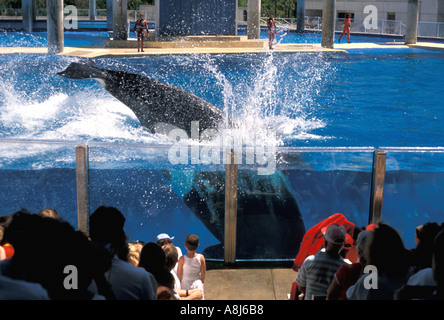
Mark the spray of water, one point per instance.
(276, 95)
(268, 97)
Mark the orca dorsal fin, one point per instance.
(83, 69)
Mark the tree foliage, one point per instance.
(279, 8)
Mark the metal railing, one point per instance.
(382, 27)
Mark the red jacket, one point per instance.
(313, 239)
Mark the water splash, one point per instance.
(269, 95)
(276, 94)
(23, 39)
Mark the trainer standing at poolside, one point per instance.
(346, 29)
(271, 25)
(139, 29)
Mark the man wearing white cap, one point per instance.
(163, 239)
(318, 270)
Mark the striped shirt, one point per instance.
(317, 272)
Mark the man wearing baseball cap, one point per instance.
(318, 270)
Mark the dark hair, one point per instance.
(106, 225)
(438, 255)
(422, 254)
(386, 251)
(22, 232)
(192, 241)
(27, 233)
(164, 241)
(153, 260)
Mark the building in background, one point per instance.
(430, 10)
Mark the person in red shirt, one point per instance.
(346, 29)
(140, 28)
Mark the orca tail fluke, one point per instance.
(83, 70)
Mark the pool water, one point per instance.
(39, 39)
(86, 36)
(369, 98)
(363, 98)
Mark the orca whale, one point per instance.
(270, 224)
(159, 106)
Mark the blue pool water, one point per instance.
(39, 39)
(368, 98)
(85, 37)
(363, 98)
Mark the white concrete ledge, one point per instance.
(287, 48)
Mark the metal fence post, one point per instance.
(82, 187)
(377, 187)
(230, 208)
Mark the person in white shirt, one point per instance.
(171, 260)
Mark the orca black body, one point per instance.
(155, 103)
(270, 224)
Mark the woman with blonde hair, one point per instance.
(134, 249)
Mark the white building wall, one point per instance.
(429, 9)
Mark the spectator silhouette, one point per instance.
(318, 270)
(386, 252)
(172, 256)
(127, 281)
(438, 264)
(65, 272)
(22, 233)
(14, 289)
(153, 260)
(422, 254)
(16, 277)
(427, 283)
(164, 239)
(349, 274)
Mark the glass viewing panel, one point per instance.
(37, 175)
(413, 189)
(275, 210)
(157, 195)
